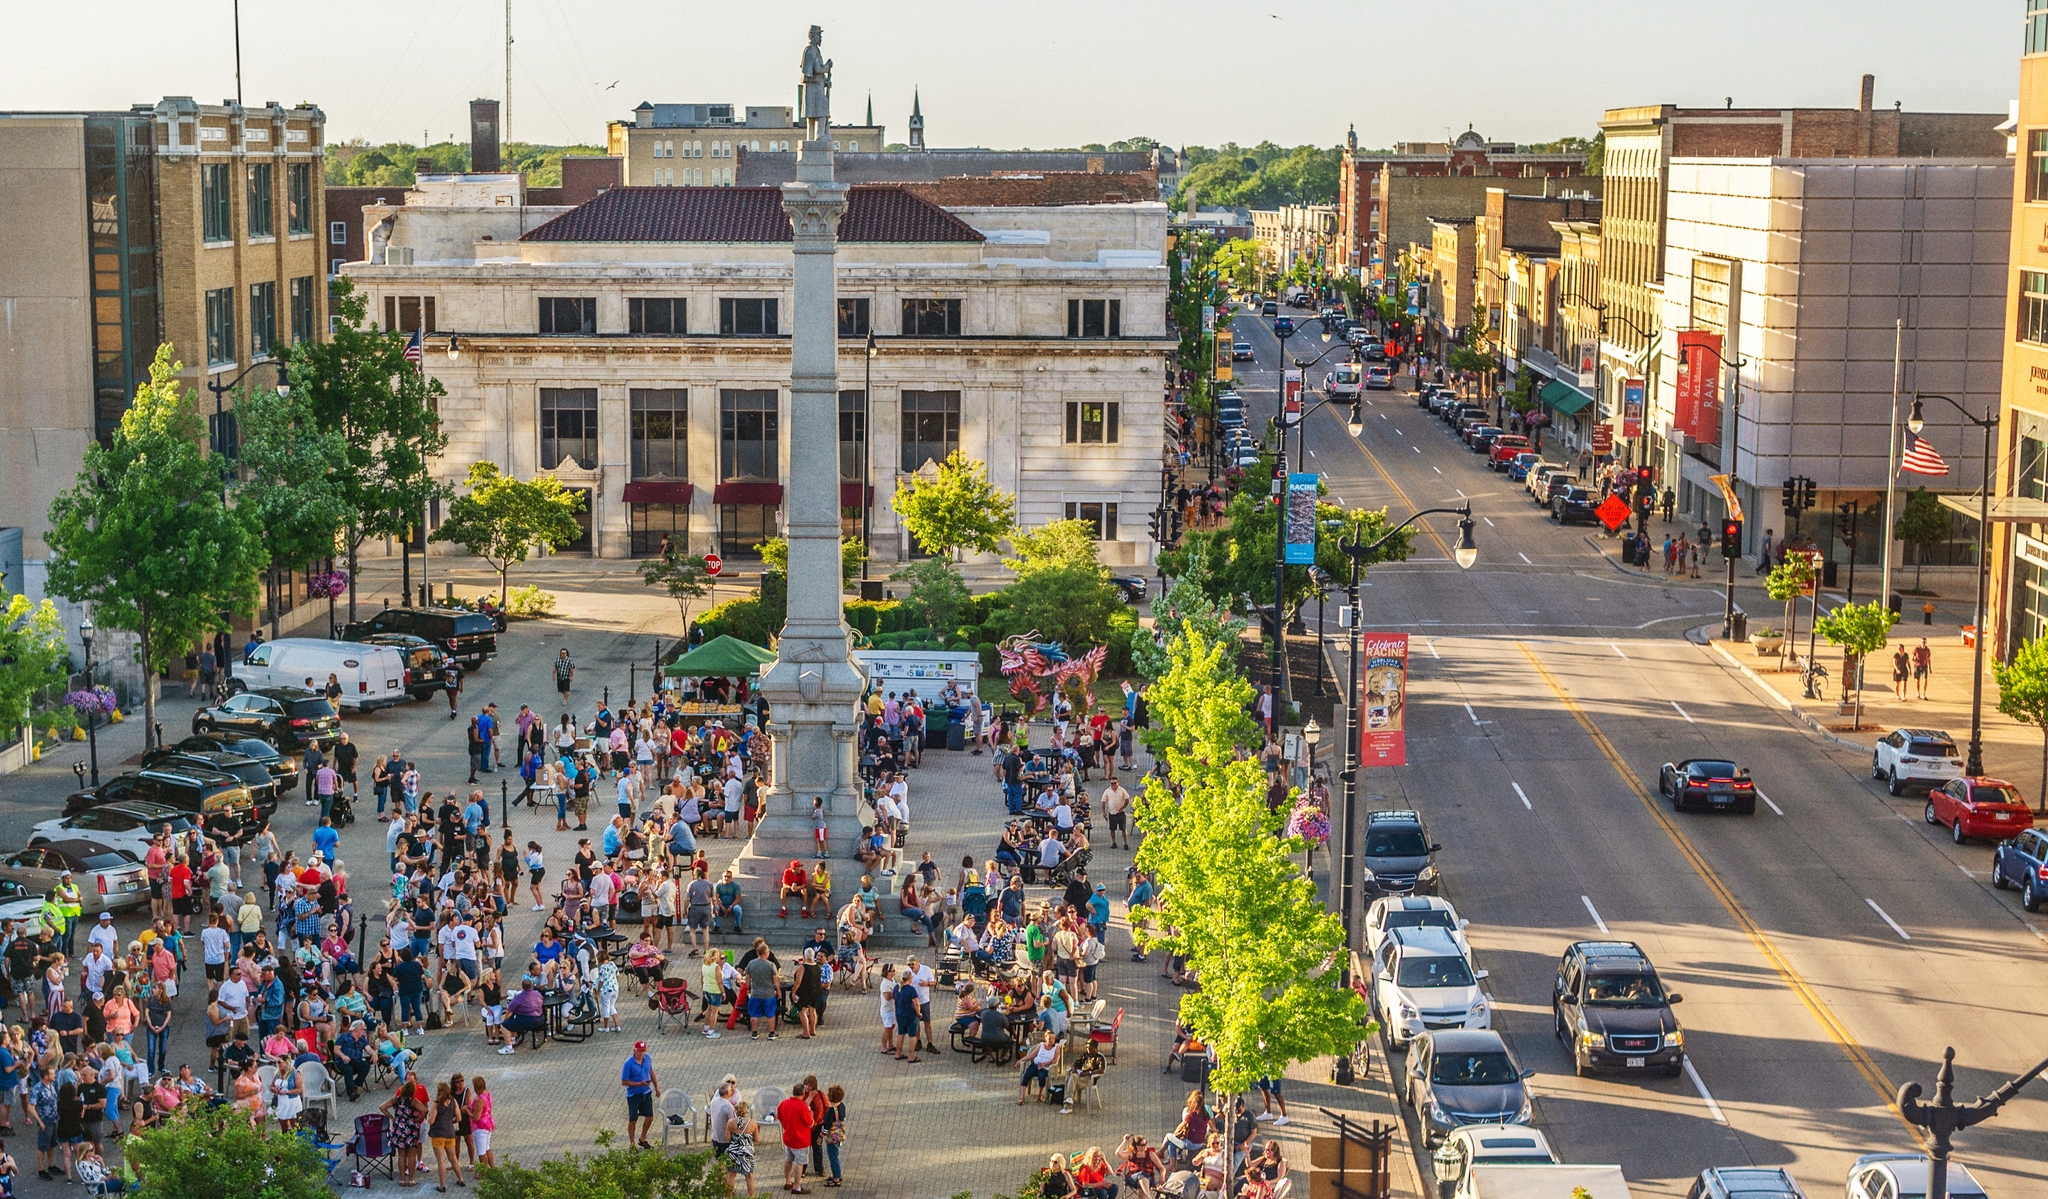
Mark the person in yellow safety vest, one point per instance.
(66, 895)
(51, 916)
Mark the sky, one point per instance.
(1041, 74)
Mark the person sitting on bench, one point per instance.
(524, 1013)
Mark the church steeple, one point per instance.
(916, 121)
(871, 109)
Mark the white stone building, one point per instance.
(637, 348)
(1802, 267)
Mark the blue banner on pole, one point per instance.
(1301, 520)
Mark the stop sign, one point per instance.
(713, 564)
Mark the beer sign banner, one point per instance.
(1381, 739)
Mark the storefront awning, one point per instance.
(649, 492)
(849, 495)
(747, 493)
(1563, 399)
(2005, 509)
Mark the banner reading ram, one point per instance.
(1381, 739)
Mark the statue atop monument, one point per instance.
(817, 79)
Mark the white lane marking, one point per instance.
(1437, 469)
(1966, 870)
(1383, 416)
(1416, 448)
(1701, 1087)
(1475, 715)
(1616, 647)
(2035, 930)
(1311, 453)
(1767, 803)
(1461, 493)
(1594, 913)
(1397, 432)
(1684, 713)
(1524, 557)
(1524, 798)
(1489, 522)
(1886, 917)
(1432, 650)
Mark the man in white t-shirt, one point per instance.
(104, 936)
(899, 791)
(458, 946)
(93, 967)
(233, 998)
(921, 973)
(213, 943)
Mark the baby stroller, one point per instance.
(342, 810)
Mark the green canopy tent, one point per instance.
(721, 657)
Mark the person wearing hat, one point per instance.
(65, 893)
(104, 936)
(642, 1087)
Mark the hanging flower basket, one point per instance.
(327, 584)
(94, 701)
(1309, 822)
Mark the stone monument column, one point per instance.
(813, 686)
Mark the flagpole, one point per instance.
(1891, 457)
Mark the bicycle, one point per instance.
(1816, 679)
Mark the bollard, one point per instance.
(607, 695)
(504, 802)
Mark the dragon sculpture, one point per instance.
(1039, 669)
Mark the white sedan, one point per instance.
(1412, 911)
(128, 825)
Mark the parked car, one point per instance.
(1479, 438)
(1518, 466)
(107, 878)
(1573, 504)
(1133, 588)
(2022, 864)
(1744, 1182)
(468, 637)
(283, 768)
(1905, 1176)
(1978, 807)
(1374, 351)
(1547, 482)
(1241, 351)
(1397, 854)
(220, 801)
(426, 663)
(1487, 1145)
(1505, 448)
(263, 787)
(1609, 1008)
(1915, 758)
(371, 676)
(1423, 983)
(1378, 379)
(287, 717)
(1390, 912)
(1712, 783)
(130, 826)
(1464, 1077)
(21, 905)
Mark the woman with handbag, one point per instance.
(834, 1124)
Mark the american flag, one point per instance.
(1920, 457)
(414, 351)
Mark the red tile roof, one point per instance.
(747, 214)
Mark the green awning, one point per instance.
(1563, 398)
(721, 657)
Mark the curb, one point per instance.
(1818, 729)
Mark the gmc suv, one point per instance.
(1608, 1006)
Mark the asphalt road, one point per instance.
(1827, 948)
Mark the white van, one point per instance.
(1343, 382)
(371, 676)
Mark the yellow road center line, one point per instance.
(1407, 503)
(1861, 1060)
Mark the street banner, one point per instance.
(1381, 740)
(1632, 408)
(1208, 318)
(1290, 394)
(1603, 438)
(1728, 496)
(1698, 397)
(1589, 367)
(1301, 520)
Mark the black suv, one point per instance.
(426, 663)
(1610, 1009)
(221, 802)
(1396, 858)
(287, 717)
(283, 768)
(468, 637)
(1572, 505)
(262, 785)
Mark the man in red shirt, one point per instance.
(797, 1120)
(794, 880)
(182, 905)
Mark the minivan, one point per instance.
(1343, 381)
(371, 676)
(468, 637)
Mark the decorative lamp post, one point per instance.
(867, 483)
(1945, 1117)
(1974, 764)
(92, 734)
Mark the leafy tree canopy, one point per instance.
(503, 518)
(611, 1174)
(1058, 544)
(216, 1153)
(33, 656)
(959, 509)
(682, 575)
(357, 163)
(938, 596)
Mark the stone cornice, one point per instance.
(497, 350)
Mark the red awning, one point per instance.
(747, 493)
(849, 495)
(659, 493)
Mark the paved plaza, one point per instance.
(936, 1128)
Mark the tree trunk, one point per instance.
(270, 584)
(352, 544)
(504, 584)
(1919, 560)
(148, 687)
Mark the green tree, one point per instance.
(359, 385)
(1055, 544)
(853, 554)
(1924, 522)
(502, 518)
(937, 597)
(1238, 556)
(1072, 605)
(288, 488)
(1186, 608)
(1861, 630)
(2023, 695)
(682, 575)
(216, 1153)
(145, 536)
(1788, 581)
(611, 1174)
(958, 510)
(1231, 896)
(33, 657)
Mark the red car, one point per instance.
(1505, 447)
(1979, 807)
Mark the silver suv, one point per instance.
(1423, 982)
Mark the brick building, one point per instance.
(2019, 557)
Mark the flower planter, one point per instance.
(1768, 644)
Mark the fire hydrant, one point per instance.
(1927, 612)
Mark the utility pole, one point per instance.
(238, 53)
(505, 109)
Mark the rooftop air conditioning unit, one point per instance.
(398, 256)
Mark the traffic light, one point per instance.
(1152, 524)
(1789, 494)
(1806, 493)
(1731, 538)
(1645, 477)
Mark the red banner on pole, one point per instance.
(1603, 438)
(1381, 739)
(1697, 400)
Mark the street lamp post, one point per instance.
(1278, 672)
(867, 483)
(1974, 764)
(222, 443)
(1945, 1117)
(1465, 555)
(92, 732)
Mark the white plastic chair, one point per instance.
(267, 1074)
(317, 1086)
(766, 1100)
(678, 1113)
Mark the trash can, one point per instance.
(956, 728)
(1829, 570)
(1897, 603)
(935, 735)
(1738, 626)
